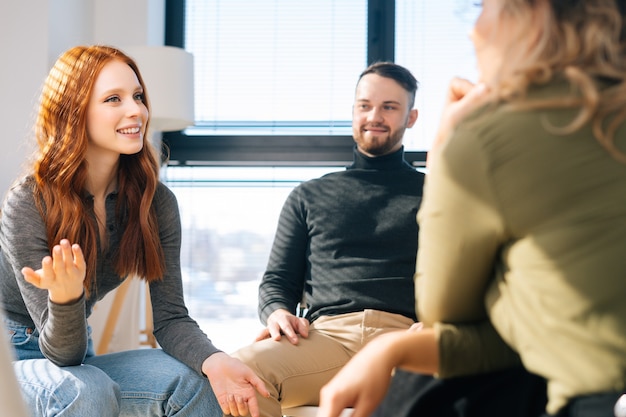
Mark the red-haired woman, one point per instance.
(91, 213)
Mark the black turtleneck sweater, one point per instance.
(348, 240)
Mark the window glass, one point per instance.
(229, 216)
(286, 67)
(432, 40)
(275, 66)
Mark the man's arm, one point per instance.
(282, 286)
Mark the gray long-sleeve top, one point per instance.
(348, 240)
(63, 328)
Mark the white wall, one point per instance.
(33, 33)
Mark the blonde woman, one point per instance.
(524, 216)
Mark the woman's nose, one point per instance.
(135, 109)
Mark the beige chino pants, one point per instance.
(294, 374)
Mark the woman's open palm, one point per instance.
(62, 274)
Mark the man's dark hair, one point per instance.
(397, 73)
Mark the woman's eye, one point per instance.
(139, 96)
(112, 99)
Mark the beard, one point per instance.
(378, 144)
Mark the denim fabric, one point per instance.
(144, 382)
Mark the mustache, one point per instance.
(375, 126)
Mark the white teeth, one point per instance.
(129, 131)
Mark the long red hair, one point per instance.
(60, 170)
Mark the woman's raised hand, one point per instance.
(62, 274)
(462, 98)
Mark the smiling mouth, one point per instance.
(130, 130)
(375, 130)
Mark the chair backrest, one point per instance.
(10, 395)
(309, 411)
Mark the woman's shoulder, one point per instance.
(21, 191)
(163, 192)
(19, 208)
(521, 118)
(164, 198)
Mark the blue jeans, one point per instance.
(144, 382)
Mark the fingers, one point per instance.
(290, 334)
(332, 402)
(263, 334)
(238, 406)
(68, 259)
(253, 407)
(302, 327)
(62, 273)
(79, 258)
(41, 277)
(62, 258)
(31, 276)
(329, 407)
(274, 330)
(458, 88)
(477, 95)
(415, 327)
(235, 405)
(259, 385)
(282, 322)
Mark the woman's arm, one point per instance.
(59, 316)
(234, 384)
(461, 232)
(446, 350)
(460, 228)
(363, 381)
(177, 333)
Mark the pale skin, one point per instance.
(116, 120)
(364, 380)
(380, 116)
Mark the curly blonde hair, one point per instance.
(583, 41)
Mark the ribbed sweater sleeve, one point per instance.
(177, 333)
(62, 328)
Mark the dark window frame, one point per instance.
(277, 150)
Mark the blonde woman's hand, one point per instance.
(462, 98)
(364, 380)
(62, 274)
(234, 384)
(361, 383)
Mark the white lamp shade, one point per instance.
(167, 72)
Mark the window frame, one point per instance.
(278, 150)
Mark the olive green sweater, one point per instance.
(528, 227)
